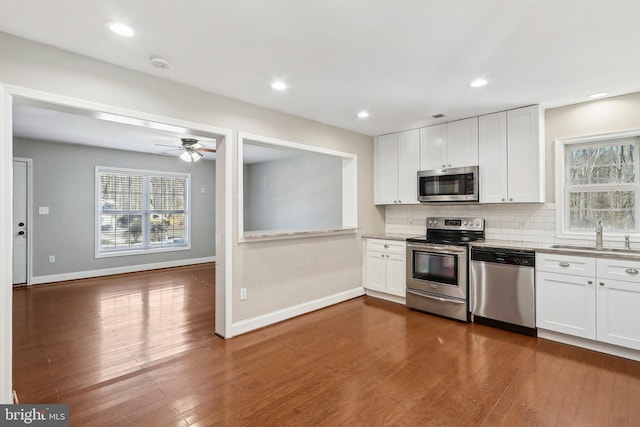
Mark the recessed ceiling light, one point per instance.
(121, 29)
(279, 85)
(363, 114)
(479, 82)
(598, 95)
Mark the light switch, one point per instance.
(43, 210)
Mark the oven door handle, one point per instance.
(437, 249)
(420, 294)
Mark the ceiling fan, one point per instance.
(192, 149)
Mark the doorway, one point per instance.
(22, 173)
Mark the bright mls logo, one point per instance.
(34, 415)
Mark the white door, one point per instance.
(462, 143)
(396, 274)
(433, 147)
(408, 164)
(492, 157)
(524, 155)
(618, 314)
(566, 303)
(386, 170)
(20, 186)
(374, 271)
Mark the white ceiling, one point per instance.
(403, 60)
(48, 123)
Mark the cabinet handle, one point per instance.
(444, 166)
(601, 283)
(449, 164)
(386, 246)
(382, 255)
(590, 282)
(511, 199)
(503, 199)
(631, 271)
(564, 264)
(399, 201)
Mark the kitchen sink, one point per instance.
(593, 248)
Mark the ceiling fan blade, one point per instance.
(167, 145)
(207, 150)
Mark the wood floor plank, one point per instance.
(139, 349)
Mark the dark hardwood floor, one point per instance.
(139, 349)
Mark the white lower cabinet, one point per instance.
(384, 266)
(601, 302)
(566, 304)
(618, 302)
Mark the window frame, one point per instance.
(146, 211)
(562, 199)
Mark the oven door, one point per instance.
(437, 269)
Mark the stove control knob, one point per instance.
(430, 222)
(464, 223)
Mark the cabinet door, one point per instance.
(618, 313)
(386, 170)
(566, 303)
(462, 143)
(408, 166)
(374, 271)
(433, 147)
(525, 155)
(492, 157)
(396, 274)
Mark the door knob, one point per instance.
(20, 233)
(21, 224)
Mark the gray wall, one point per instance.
(64, 180)
(293, 193)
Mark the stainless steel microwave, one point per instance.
(449, 185)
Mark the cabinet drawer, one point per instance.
(389, 246)
(565, 264)
(619, 269)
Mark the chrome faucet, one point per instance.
(627, 244)
(599, 235)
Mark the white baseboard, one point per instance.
(387, 297)
(601, 347)
(261, 321)
(36, 280)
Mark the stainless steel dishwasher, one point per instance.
(503, 283)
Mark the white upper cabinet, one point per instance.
(511, 156)
(396, 166)
(453, 144)
(433, 147)
(526, 154)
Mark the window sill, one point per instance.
(261, 236)
(149, 251)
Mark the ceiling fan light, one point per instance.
(186, 156)
(196, 155)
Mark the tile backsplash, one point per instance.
(521, 222)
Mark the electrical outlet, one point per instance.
(52, 258)
(523, 225)
(243, 294)
(202, 190)
(43, 210)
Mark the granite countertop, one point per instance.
(387, 236)
(574, 250)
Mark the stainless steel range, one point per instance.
(438, 266)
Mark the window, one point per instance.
(600, 183)
(288, 189)
(140, 211)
